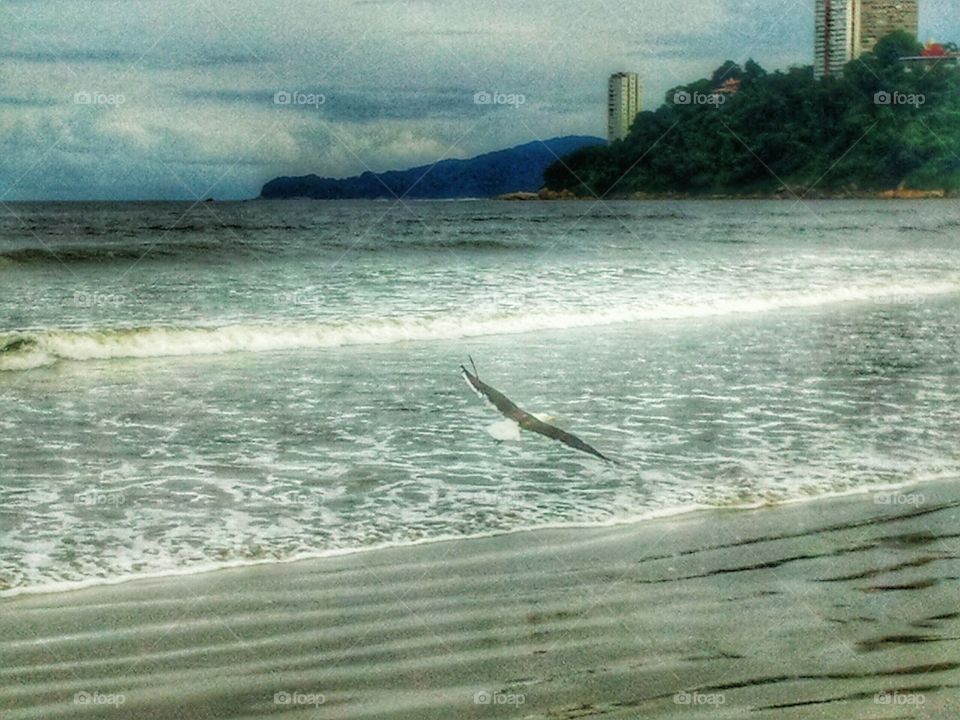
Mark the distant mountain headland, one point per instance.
(888, 126)
(517, 169)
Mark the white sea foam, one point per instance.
(662, 514)
(46, 347)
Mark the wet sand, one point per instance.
(837, 608)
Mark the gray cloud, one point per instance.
(11, 101)
(74, 55)
(344, 105)
(117, 58)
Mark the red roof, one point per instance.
(731, 86)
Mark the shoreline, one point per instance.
(662, 514)
(797, 195)
(843, 607)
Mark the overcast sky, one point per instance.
(108, 99)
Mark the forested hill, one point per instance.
(883, 124)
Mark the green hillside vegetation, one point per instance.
(787, 132)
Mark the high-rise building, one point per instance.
(879, 18)
(838, 39)
(623, 104)
(846, 29)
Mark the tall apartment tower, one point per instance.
(879, 18)
(846, 29)
(838, 38)
(623, 104)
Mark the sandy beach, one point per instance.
(835, 608)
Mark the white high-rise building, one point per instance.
(623, 104)
(837, 35)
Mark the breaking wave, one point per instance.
(40, 348)
(232, 245)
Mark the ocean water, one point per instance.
(187, 387)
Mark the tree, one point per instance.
(882, 124)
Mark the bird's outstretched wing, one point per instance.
(511, 410)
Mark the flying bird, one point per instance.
(525, 420)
